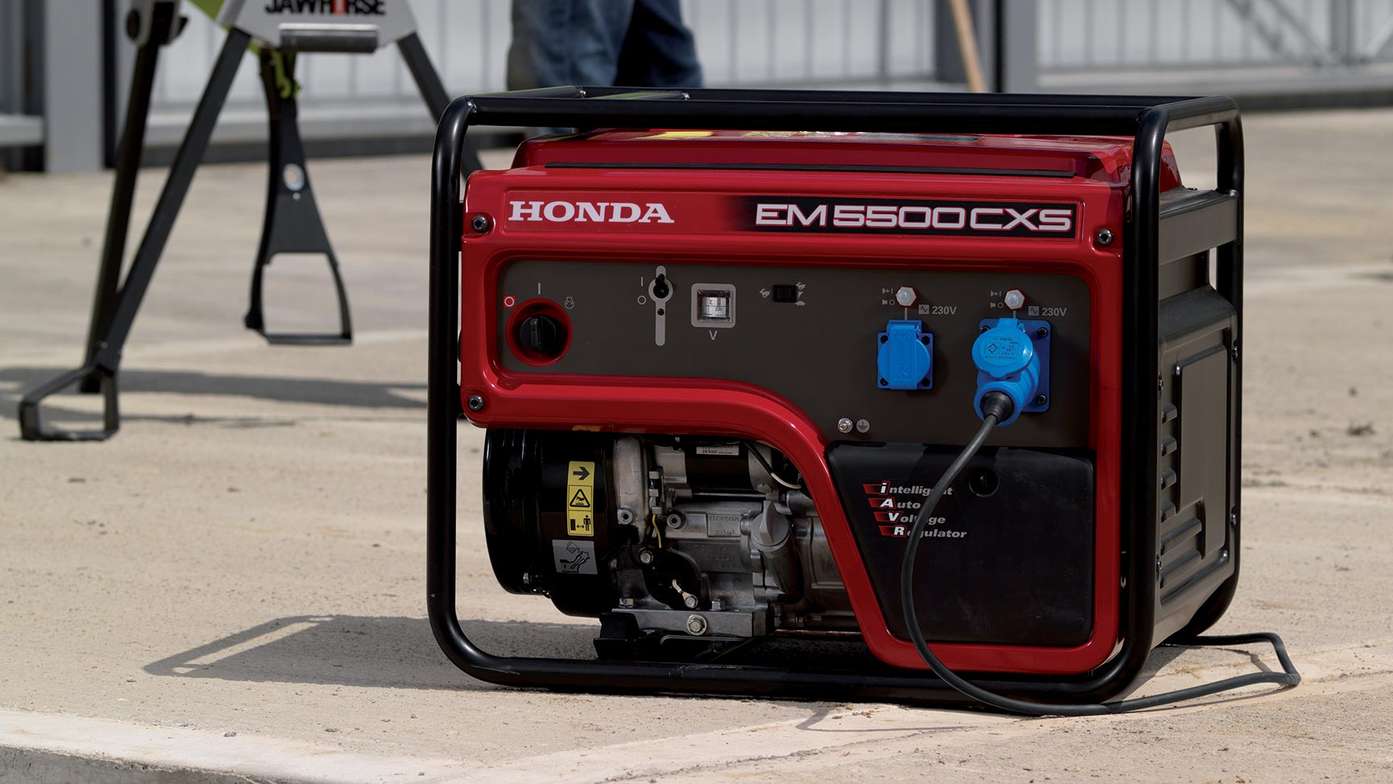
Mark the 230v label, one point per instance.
(901, 216)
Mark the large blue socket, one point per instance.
(1012, 357)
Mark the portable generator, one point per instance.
(807, 394)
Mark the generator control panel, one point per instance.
(870, 354)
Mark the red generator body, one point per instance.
(725, 343)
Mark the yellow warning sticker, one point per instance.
(580, 498)
(679, 135)
(579, 523)
(580, 472)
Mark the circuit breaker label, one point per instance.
(580, 494)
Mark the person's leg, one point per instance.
(558, 42)
(658, 50)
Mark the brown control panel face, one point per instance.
(810, 334)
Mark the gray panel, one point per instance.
(818, 353)
(1193, 221)
(1204, 440)
(17, 130)
(1195, 439)
(72, 87)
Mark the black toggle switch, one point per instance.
(661, 289)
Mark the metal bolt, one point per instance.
(293, 175)
(1223, 555)
(1103, 237)
(1014, 299)
(481, 223)
(1042, 332)
(905, 296)
(696, 625)
(1158, 565)
(645, 556)
(1233, 352)
(690, 601)
(526, 578)
(626, 601)
(863, 426)
(625, 516)
(844, 425)
(675, 521)
(476, 402)
(1233, 517)
(1041, 400)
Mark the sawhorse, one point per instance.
(292, 222)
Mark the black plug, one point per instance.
(997, 404)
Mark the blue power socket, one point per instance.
(904, 356)
(1017, 381)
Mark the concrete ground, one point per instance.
(232, 589)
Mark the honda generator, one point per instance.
(895, 396)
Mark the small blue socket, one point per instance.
(904, 356)
(1013, 356)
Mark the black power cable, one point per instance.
(995, 407)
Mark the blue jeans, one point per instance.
(630, 43)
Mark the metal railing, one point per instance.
(787, 42)
(739, 41)
(1297, 48)
(1078, 35)
(802, 42)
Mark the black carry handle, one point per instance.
(1144, 119)
(326, 38)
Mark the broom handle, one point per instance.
(967, 46)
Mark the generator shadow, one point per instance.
(358, 394)
(401, 653)
(384, 652)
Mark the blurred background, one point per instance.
(65, 65)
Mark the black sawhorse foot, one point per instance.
(31, 424)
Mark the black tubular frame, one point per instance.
(1146, 245)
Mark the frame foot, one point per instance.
(31, 420)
